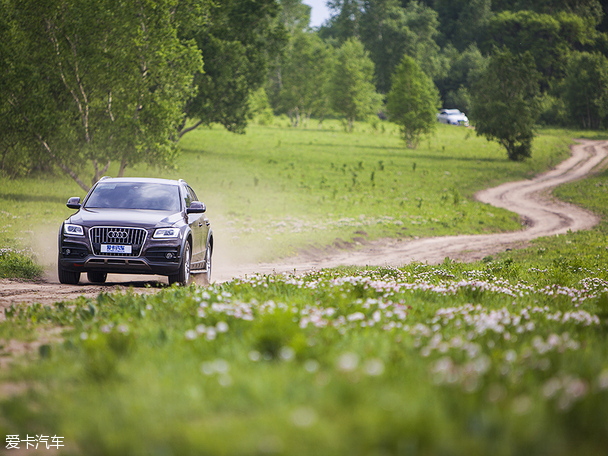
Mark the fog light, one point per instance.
(68, 252)
(169, 256)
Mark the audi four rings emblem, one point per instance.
(117, 234)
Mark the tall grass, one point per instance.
(458, 359)
(18, 264)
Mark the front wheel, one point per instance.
(67, 277)
(183, 275)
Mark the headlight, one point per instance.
(73, 230)
(166, 233)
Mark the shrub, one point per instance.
(18, 264)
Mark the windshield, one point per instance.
(135, 195)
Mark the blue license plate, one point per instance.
(113, 248)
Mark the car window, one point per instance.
(192, 194)
(188, 195)
(134, 195)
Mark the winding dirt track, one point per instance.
(531, 199)
(543, 215)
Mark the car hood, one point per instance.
(125, 217)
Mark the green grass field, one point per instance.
(277, 190)
(507, 356)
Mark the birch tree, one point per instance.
(90, 82)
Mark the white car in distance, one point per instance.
(453, 117)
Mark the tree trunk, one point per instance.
(99, 173)
(290, 113)
(188, 130)
(123, 165)
(64, 167)
(3, 157)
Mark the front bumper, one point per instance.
(156, 257)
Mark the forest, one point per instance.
(503, 62)
(88, 83)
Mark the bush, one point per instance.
(259, 108)
(18, 264)
(552, 111)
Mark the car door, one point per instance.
(199, 224)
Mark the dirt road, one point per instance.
(531, 199)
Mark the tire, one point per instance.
(67, 277)
(97, 277)
(183, 275)
(206, 276)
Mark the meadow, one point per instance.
(276, 190)
(453, 359)
(506, 356)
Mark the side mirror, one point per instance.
(74, 202)
(196, 207)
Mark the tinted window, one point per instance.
(188, 195)
(192, 194)
(135, 195)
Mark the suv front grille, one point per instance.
(135, 237)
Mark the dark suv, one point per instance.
(136, 226)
